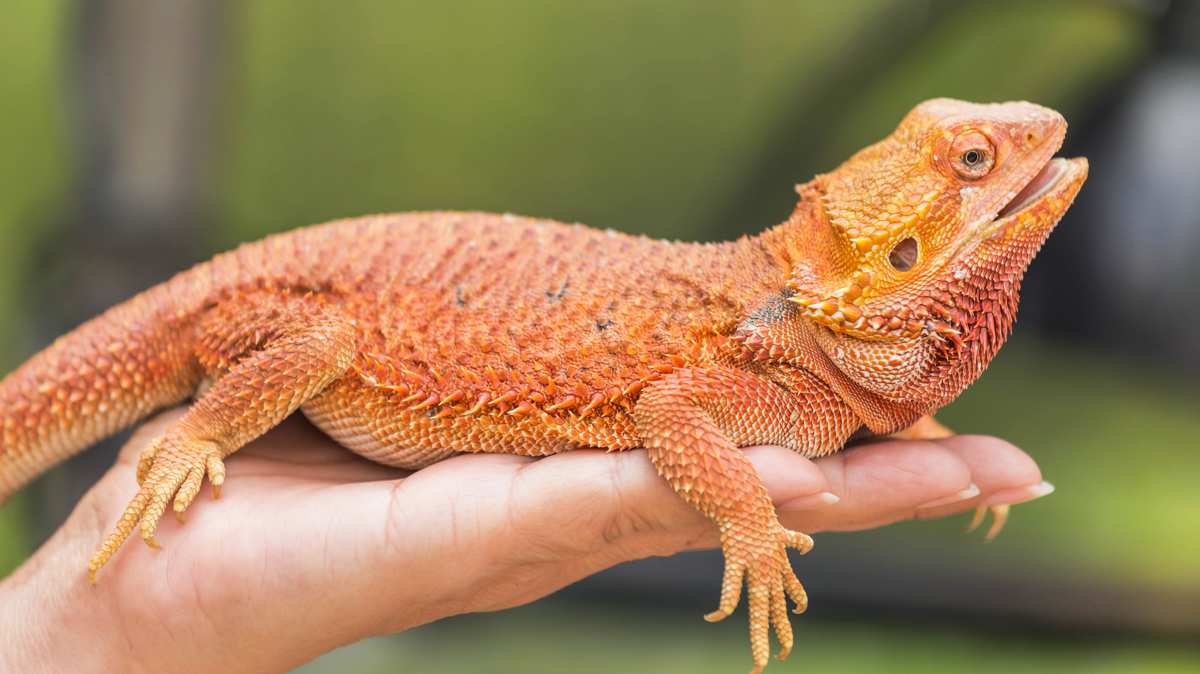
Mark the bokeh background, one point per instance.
(141, 137)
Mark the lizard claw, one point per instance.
(977, 518)
(716, 616)
(999, 519)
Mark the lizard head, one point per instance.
(915, 247)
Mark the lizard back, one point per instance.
(481, 332)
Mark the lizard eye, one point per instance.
(904, 255)
(973, 155)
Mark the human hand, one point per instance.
(312, 547)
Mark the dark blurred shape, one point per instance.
(143, 93)
(1136, 229)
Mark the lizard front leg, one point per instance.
(925, 428)
(692, 423)
(271, 355)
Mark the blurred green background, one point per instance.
(141, 138)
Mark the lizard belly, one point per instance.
(373, 422)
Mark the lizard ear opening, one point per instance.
(904, 255)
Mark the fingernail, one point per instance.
(1019, 494)
(825, 498)
(970, 492)
(828, 497)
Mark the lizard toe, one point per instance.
(146, 460)
(769, 581)
(999, 519)
(758, 598)
(779, 619)
(731, 590)
(177, 468)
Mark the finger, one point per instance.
(995, 464)
(605, 507)
(791, 478)
(502, 517)
(630, 498)
(628, 503)
(1005, 474)
(885, 482)
(629, 508)
(593, 508)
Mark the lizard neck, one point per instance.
(744, 274)
(927, 376)
(776, 327)
(801, 238)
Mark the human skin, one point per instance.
(312, 547)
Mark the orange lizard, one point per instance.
(409, 338)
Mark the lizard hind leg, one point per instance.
(276, 355)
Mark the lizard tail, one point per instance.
(94, 381)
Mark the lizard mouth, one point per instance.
(1044, 198)
(1045, 180)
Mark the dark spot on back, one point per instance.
(604, 325)
(772, 311)
(556, 295)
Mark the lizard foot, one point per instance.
(999, 518)
(769, 579)
(171, 467)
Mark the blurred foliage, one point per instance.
(15, 545)
(1112, 439)
(620, 114)
(979, 51)
(35, 172)
(538, 639)
(33, 176)
(649, 117)
(1115, 440)
(998, 52)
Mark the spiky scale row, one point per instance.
(547, 396)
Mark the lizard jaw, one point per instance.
(1036, 188)
(1042, 202)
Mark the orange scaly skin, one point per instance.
(412, 337)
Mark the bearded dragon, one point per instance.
(413, 337)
